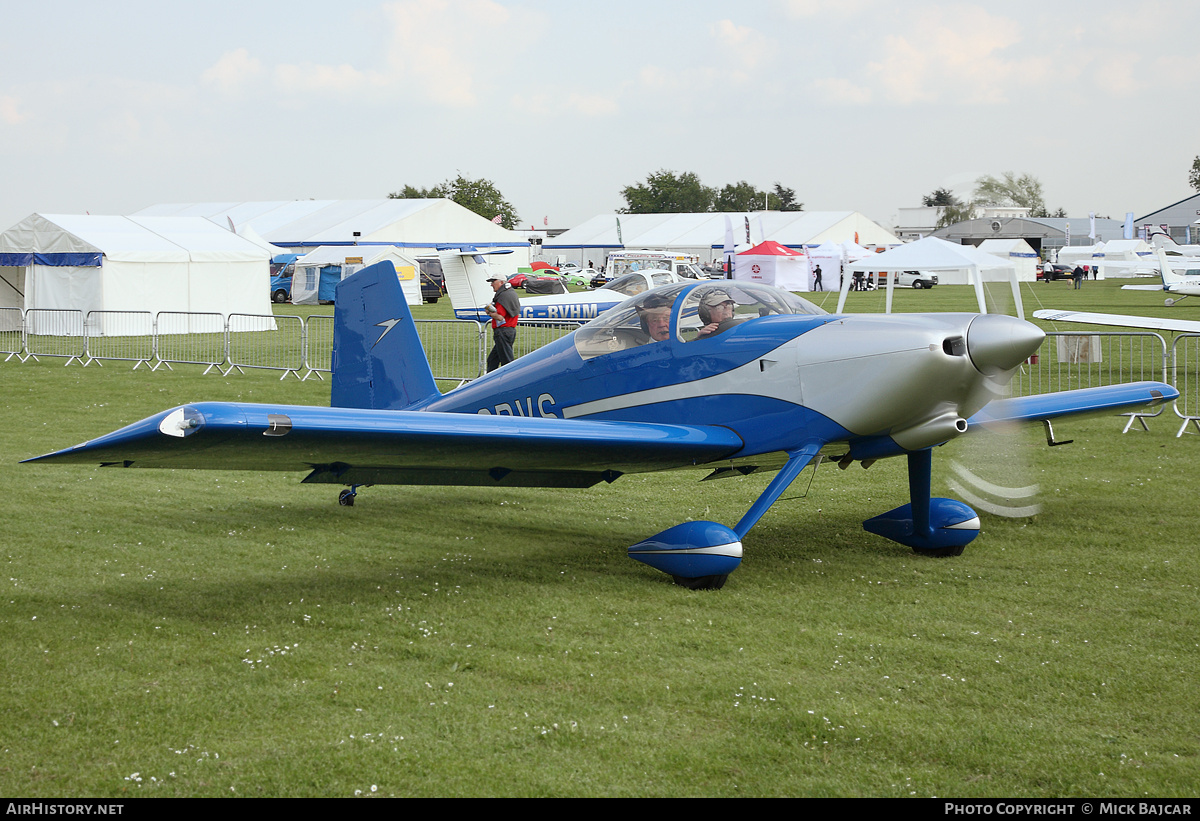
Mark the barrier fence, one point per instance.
(457, 349)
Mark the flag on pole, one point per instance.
(1092, 225)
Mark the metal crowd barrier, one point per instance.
(1185, 376)
(119, 335)
(12, 333)
(53, 332)
(536, 333)
(190, 339)
(264, 341)
(457, 349)
(318, 346)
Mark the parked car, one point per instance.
(914, 279)
(1052, 272)
(281, 288)
(281, 281)
(575, 276)
(433, 281)
(599, 279)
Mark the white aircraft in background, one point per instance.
(467, 272)
(1178, 285)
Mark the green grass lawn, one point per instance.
(175, 633)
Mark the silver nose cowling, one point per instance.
(998, 343)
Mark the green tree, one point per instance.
(1009, 189)
(481, 196)
(940, 196)
(787, 199)
(956, 213)
(1194, 174)
(740, 196)
(666, 192)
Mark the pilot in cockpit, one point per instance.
(655, 314)
(716, 312)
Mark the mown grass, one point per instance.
(175, 633)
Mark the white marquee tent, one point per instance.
(703, 234)
(965, 263)
(146, 264)
(418, 226)
(1017, 251)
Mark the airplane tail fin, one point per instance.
(467, 272)
(1169, 277)
(378, 361)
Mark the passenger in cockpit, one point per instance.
(716, 312)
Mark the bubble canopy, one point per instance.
(685, 312)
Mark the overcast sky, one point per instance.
(861, 105)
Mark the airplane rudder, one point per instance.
(378, 360)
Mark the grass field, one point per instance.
(174, 633)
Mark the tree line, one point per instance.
(663, 192)
(668, 192)
(1009, 189)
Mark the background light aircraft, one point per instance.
(727, 377)
(1179, 285)
(467, 271)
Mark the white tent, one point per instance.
(153, 264)
(418, 226)
(1124, 258)
(1079, 254)
(1017, 251)
(773, 264)
(703, 234)
(347, 259)
(933, 254)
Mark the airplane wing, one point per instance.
(1108, 399)
(354, 446)
(1142, 288)
(1186, 326)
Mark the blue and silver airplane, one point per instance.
(728, 377)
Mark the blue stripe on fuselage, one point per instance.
(554, 377)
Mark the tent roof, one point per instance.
(336, 254)
(1008, 247)
(707, 230)
(771, 248)
(421, 223)
(128, 239)
(929, 254)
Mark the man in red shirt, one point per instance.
(505, 310)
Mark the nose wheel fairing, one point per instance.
(930, 526)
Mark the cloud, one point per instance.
(746, 46)
(10, 111)
(439, 48)
(233, 70)
(840, 91)
(308, 78)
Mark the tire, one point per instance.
(917, 284)
(943, 553)
(280, 296)
(702, 582)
